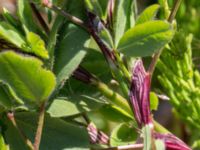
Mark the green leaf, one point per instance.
(53, 35)
(70, 51)
(26, 76)
(154, 101)
(37, 45)
(148, 14)
(95, 7)
(2, 143)
(8, 98)
(96, 64)
(76, 9)
(9, 18)
(122, 18)
(111, 113)
(57, 134)
(145, 39)
(25, 16)
(104, 6)
(10, 34)
(5, 100)
(123, 134)
(106, 37)
(68, 106)
(33, 44)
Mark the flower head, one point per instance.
(171, 141)
(139, 94)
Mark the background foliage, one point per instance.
(75, 73)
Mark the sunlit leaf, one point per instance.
(122, 18)
(68, 106)
(37, 45)
(145, 39)
(148, 14)
(10, 34)
(2, 143)
(26, 76)
(154, 101)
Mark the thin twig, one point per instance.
(89, 27)
(157, 55)
(11, 117)
(40, 127)
(73, 19)
(40, 18)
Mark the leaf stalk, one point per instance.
(40, 127)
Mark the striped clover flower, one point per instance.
(140, 103)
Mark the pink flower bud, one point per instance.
(96, 136)
(139, 94)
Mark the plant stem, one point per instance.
(157, 55)
(40, 18)
(84, 76)
(40, 127)
(127, 147)
(11, 117)
(122, 66)
(115, 98)
(174, 10)
(73, 19)
(88, 27)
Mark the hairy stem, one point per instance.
(40, 127)
(157, 55)
(11, 117)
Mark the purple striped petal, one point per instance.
(171, 142)
(139, 94)
(96, 136)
